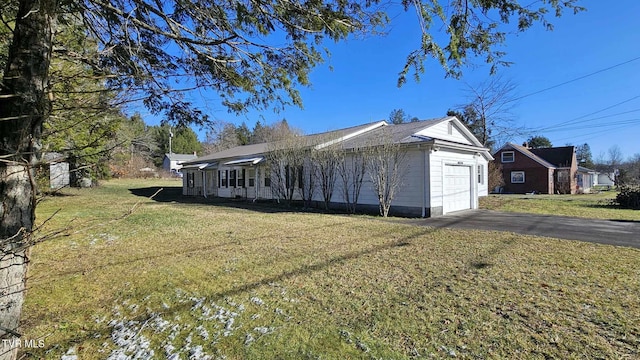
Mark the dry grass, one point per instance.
(192, 278)
(592, 206)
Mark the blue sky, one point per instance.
(362, 85)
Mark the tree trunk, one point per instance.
(24, 106)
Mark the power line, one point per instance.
(594, 126)
(595, 134)
(576, 79)
(574, 120)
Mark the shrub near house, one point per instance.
(629, 197)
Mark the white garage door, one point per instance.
(457, 188)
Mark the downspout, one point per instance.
(424, 182)
(256, 183)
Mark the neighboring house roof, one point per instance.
(53, 157)
(558, 156)
(586, 170)
(180, 157)
(528, 153)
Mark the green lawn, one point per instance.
(592, 206)
(198, 279)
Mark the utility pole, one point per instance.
(170, 136)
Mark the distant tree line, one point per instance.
(225, 135)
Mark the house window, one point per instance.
(267, 176)
(232, 178)
(507, 156)
(480, 174)
(223, 178)
(517, 177)
(252, 177)
(450, 128)
(300, 176)
(563, 176)
(241, 178)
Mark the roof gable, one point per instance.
(526, 152)
(456, 132)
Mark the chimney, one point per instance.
(194, 154)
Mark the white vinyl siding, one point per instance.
(441, 131)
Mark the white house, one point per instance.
(587, 178)
(444, 168)
(173, 162)
(606, 179)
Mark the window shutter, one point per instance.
(244, 180)
(286, 177)
(227, 174)
(218, 178)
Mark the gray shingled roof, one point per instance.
(257, 149)
(558, 156)
(398, 133)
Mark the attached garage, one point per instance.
(457, 192)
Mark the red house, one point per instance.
(544, 171)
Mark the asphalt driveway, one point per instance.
(611, 232)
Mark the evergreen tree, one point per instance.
(184, 141)
(538, 142)
(584, 156)
(243, 134)
(398, 116)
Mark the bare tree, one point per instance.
(308, 177)
(488, 112)
(286, 159)
(610, 164)
(220, 136)
(352, 168)
(326, 161)
(386, 166)
(495, 176)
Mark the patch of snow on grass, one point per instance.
(184, 327)
(256, 300)
(131, 344)
(70, 355)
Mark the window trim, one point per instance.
(513, 156)
(516, 173)
(480, 174)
